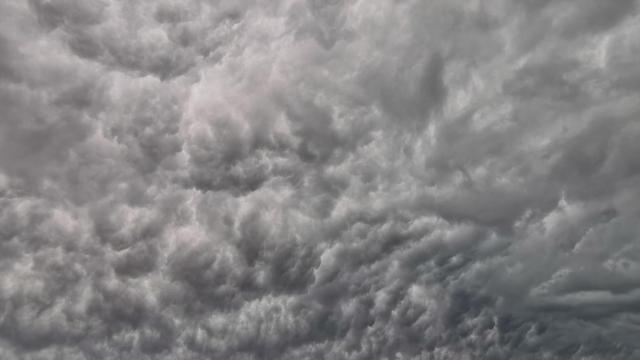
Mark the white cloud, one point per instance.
(319, 179)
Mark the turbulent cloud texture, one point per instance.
(319, 179)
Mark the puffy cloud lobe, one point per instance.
(319, 179)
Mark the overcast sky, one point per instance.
(319, 179)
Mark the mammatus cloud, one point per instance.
(319, 179)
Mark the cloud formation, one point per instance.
(344, 179)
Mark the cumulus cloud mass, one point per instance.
(319, 179)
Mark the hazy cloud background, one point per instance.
(372, 179)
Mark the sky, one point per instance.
(319, 179)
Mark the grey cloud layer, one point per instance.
(319, 179)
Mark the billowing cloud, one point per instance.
(349, 179)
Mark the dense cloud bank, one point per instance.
(357, 179)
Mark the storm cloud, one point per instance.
(340, 179)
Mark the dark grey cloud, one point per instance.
(319, 179)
